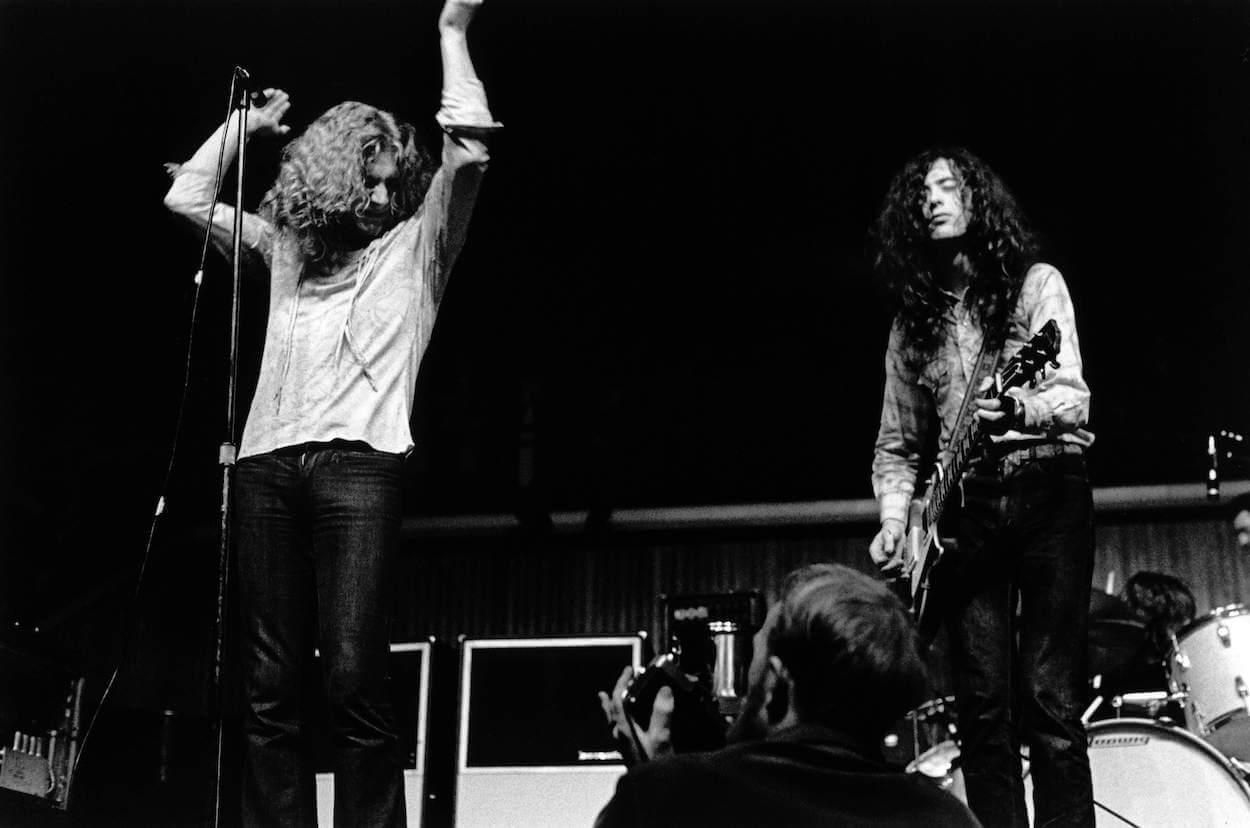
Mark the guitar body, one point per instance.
(927, 560)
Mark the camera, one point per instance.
(696, 723)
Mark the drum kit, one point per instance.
(1148, 770)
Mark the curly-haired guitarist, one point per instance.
(960, 262)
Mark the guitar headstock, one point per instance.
(1029, 365)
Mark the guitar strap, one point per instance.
(986, 361)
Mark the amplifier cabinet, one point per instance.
(534, 748)
(422, 696)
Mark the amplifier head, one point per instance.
(685, 626)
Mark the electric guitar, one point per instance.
(923, 548)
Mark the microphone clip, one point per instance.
(244, 92)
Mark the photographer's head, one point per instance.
(837, 649)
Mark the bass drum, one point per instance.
(1146, 773)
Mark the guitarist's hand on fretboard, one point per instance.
(998, 415)
(886, 549)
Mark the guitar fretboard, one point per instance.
(952, 469)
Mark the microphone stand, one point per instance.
(228, 450)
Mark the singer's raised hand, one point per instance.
(267, 119)
(457, 14)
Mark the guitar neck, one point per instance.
(951, 471)
(962, 445)
(1021, 369)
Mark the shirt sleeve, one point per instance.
(466, 119)
(1059, 404)
(190, 196)
(906, 409)
(447, 208)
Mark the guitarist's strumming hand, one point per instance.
(886, 549)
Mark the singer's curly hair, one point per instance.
(999, 241)
(320, 186)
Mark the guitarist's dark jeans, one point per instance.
(1025, 537)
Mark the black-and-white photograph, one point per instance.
(625, 413)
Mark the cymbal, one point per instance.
(1102, 605)
(1114, 644)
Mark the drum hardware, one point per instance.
(1194, 719)
(1091, 710)
(1152, 700)
(1199, 724)
(935, 736)
(1095, 684)
(1146, 697)
(1224, 635)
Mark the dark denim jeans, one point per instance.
(1026, 539)
(316, 531)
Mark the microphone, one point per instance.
(244, 80)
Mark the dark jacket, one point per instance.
(803, 776)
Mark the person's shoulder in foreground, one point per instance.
(805, 776)
(834, 664)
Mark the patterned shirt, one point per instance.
(920, 390)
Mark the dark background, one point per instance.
(665, 270)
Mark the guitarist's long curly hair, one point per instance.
(320, 187)
(999, 242)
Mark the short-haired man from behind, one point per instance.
(834, 665)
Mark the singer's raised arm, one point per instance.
(191, 192)
(465, 118)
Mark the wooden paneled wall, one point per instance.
(1199, 549)
(512, 584)
(486, 577)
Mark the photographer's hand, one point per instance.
(638, 745)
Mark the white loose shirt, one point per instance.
(342, 349)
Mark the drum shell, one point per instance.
(1210, 664)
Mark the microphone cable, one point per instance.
(179, 419)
